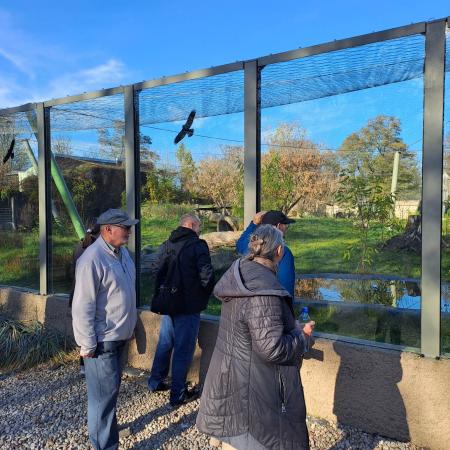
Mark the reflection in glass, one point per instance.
(19, 201)
(88, 175)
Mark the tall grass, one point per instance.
(24, 345)
(165, 210)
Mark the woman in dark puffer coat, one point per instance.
(253, 395)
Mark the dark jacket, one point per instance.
(77, 252)
(196, 270)
(253, 383)
(286, 267)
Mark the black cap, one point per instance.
(276, 217)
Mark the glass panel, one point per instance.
(341, 154)
(88, 175)
(201, 174)
(19, 201)
(445, 252)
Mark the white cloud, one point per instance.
(33, 70)
(17, 62)
(109, 74)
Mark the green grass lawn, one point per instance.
(318, 245)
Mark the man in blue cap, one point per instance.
(104, 318)
(286, 267)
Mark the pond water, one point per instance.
(396, 293)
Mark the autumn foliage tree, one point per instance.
(221, 179)
(295, 172)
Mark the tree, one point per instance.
(82, 187)
(112, 146)
(221, 180)
(188, 171)
(447, 152)
(364, 195)
(148, 158)
(62, 145)
(160, 186)
(295, 173)
(370, 151)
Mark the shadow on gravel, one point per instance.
(141, 422)
(174, 429)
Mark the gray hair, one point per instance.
(264, 242)
(188, 218)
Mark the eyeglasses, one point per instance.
(124, 227)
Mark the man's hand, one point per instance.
(90, 354)
(258, 217)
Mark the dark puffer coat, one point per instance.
(253, 383)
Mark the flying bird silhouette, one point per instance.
(10, 152)
(186, 130)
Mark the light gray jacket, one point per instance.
(104, 300)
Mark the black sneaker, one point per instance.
(161, 387)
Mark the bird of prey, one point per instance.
(186, 130)
(10, 152)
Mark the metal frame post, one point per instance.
(432, 165)
(45, 221)
(132, 176)
(252, 140)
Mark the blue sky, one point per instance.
(51, 49)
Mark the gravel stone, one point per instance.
(45, 408)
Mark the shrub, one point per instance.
(24, 345)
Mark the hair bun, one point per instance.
(256, 239)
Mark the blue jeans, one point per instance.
(103, 373)
(178, 334)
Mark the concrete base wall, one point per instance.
(393, 393)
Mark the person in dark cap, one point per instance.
(104, 317)
(286, 267)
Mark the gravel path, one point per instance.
(45, 408)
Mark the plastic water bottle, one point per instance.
(304, 316)
(304, 319)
